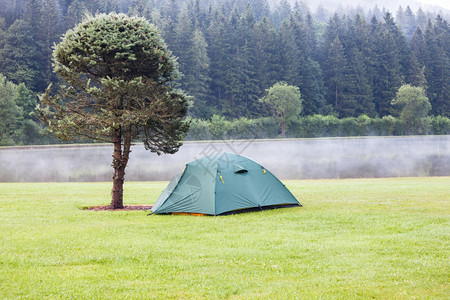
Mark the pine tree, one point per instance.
(197, 81)
(416, 75)
(241, 89)
(321, 13)
(400, 15)
(260, 8)
(26, 100)
(437, 66)
(218, 40)
(289, 53)
(358, 53)
(32, 14)
(360, 89)
(282, 12)
(385, 67)
(10, 112)
(76, 11)
(421, 19)
(310, 37)
(409, 23)
(399, 40)
(20, 58)
(335, 72)
(140, 8)
(267, 61)
(335, 67)
(182, 41)
(110, 97)
(109, 6)
(50, 29)
(335, 29)
(299, 68)
(312, 87)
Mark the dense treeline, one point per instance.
(230, 52)
(218, 128)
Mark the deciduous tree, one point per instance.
(414, 106)
(285, 102)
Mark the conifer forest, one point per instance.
(347, 64)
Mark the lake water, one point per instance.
(287, 158)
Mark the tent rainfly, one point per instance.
(223, 184)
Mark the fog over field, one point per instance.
(287, 159)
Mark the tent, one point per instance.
(223, 184)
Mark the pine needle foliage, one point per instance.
(120, 86)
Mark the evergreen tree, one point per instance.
(335, 72)
(400, 44)
(358, 53)
(76, 11)
(416, 75)
(267, 61)
(260, 8)
(310, 36)
(421, 19)
(26, 100)
(359, 89)
(109, 6)
(32, 14)
(50, 29)
(312, 87)
(282, 12)
(375, 12)
(437, 66)
(409, 23)
(20, 58)
(400, 16)
(10, 112)
(110, 97)
(385, 67)
(335, 29)
(242, 91)
(218, 40)
(321, 13)
(171, 9)
(298, 68)
(140, 8)
(289, 54)
(335, 68)
(2, 32)
(197, 81)
(182, 42)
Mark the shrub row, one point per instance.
(310, 126)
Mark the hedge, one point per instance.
(307, 127)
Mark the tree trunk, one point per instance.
(283, 129)
(120, 160)
(336, 97)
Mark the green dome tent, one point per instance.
(223, 184)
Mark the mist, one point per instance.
(392, 6)
(366, 157)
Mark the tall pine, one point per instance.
(437, 68)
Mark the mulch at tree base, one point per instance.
(125, 207)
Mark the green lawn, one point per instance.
(352, 239)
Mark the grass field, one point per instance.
(352, 239)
